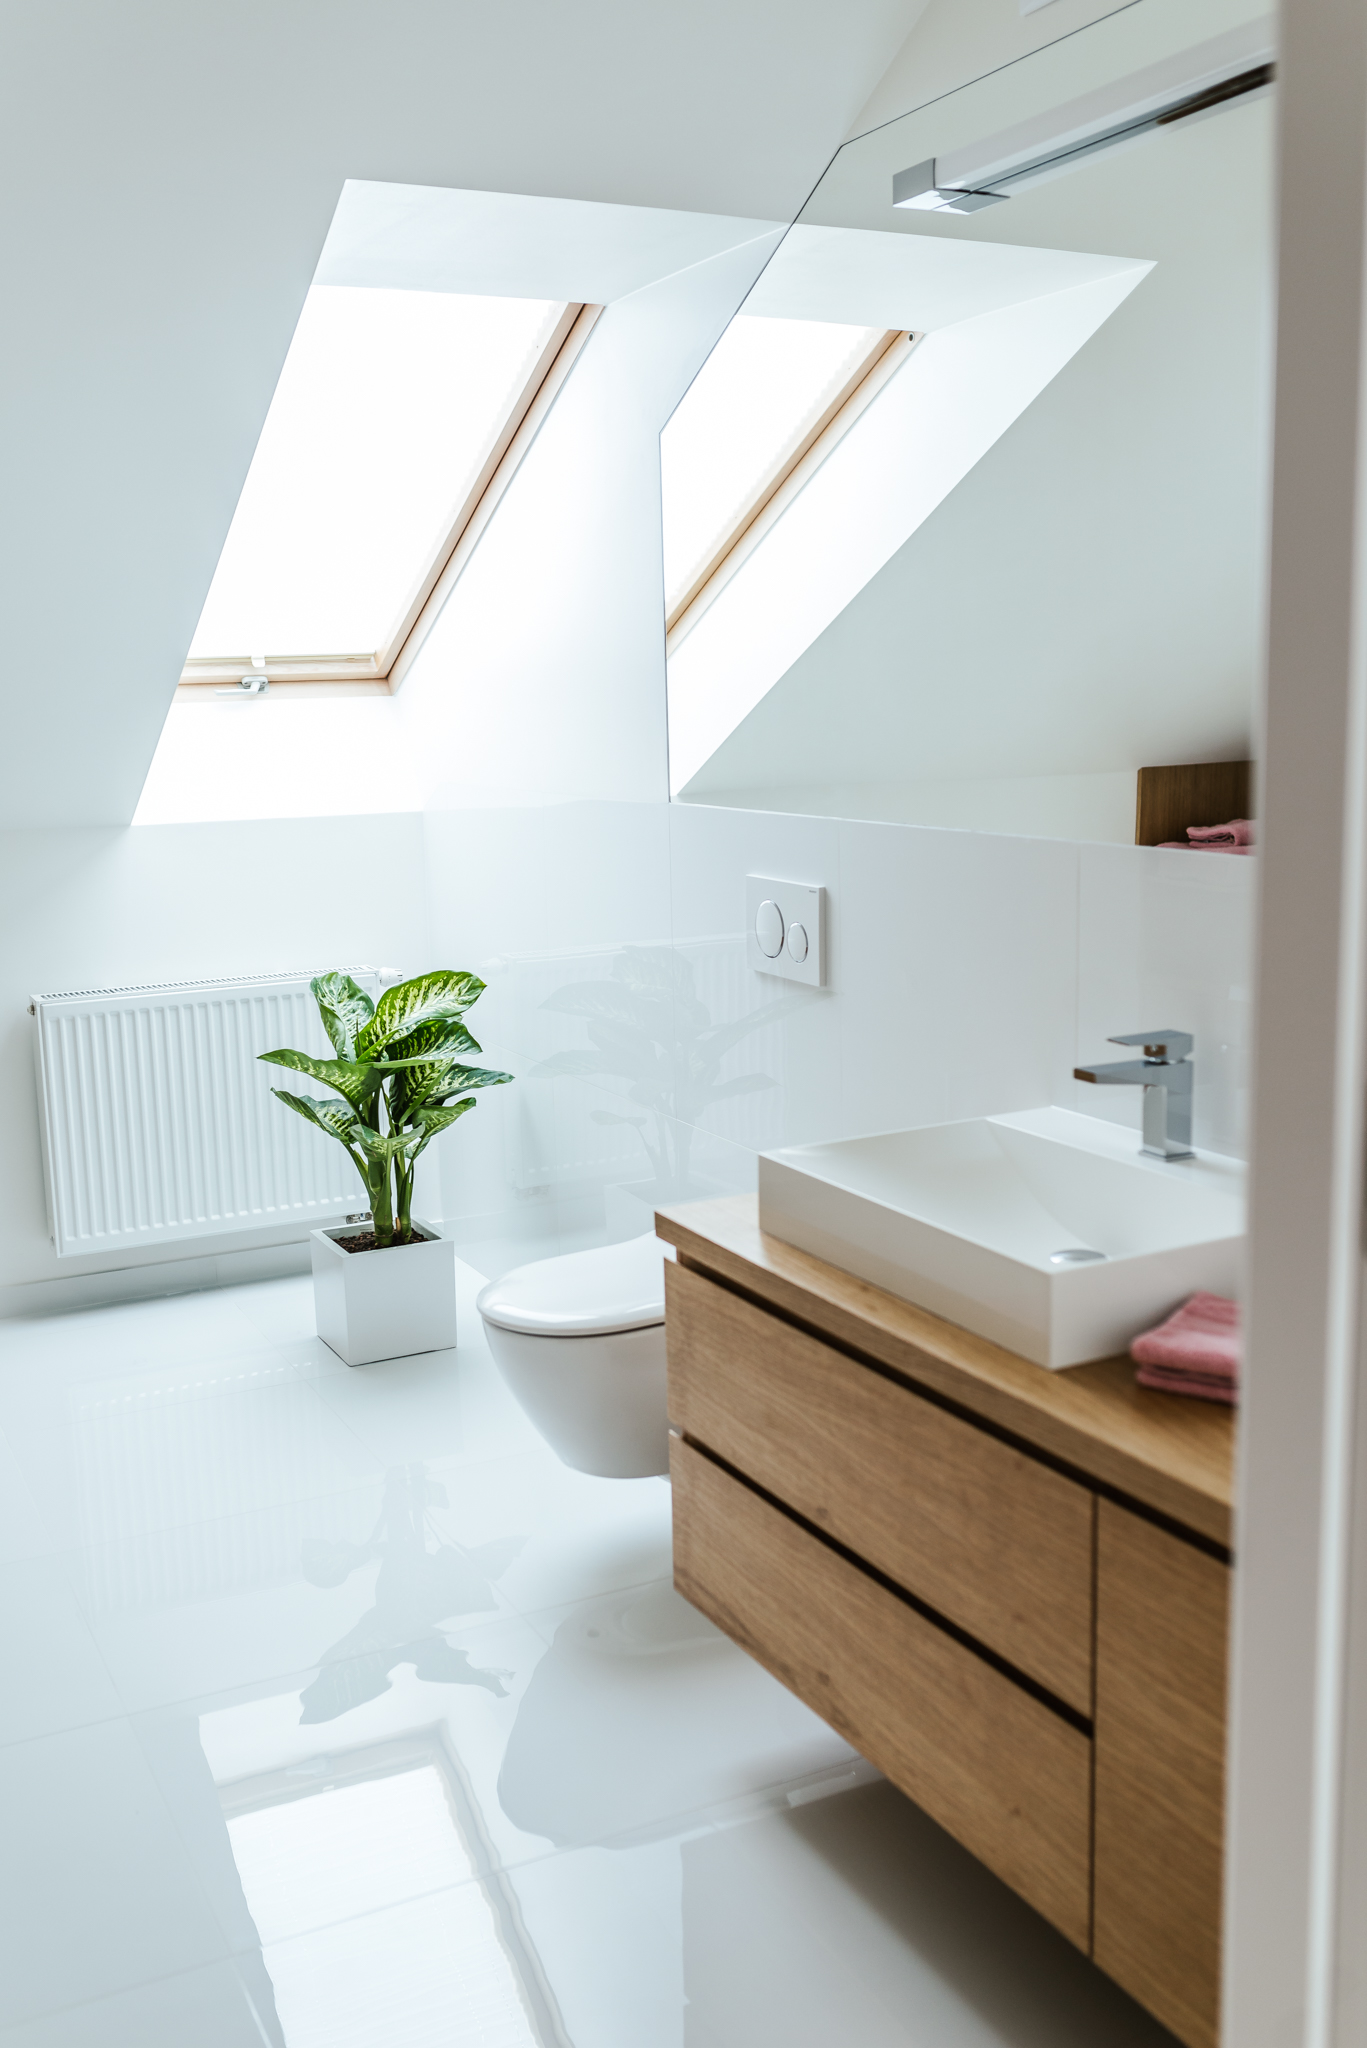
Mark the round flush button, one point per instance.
(769, 929)
(797, 941)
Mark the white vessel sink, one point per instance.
(983, 1222)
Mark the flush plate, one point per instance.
(791, 915)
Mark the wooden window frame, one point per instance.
(387, 666)
(777, 490)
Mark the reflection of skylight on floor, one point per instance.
(404, 1949)
(752, 405)
(386, 411)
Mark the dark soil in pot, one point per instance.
(366, 1241)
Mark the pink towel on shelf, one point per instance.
(1238, 832)
(1196, 1351)
(1235, 837)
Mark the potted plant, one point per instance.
(399, 1078)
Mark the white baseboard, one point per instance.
(148, 1282)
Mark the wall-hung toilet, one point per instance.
(580, 1340)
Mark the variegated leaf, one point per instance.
(358, 1082)
(376, 1147)
(444, 995)
(336, 1118)
(455, 1081)
(431, 1119)
(441, 1039)
(345, 1009)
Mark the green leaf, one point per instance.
(376, 1147)
(358, 1082)
(426, 1087)
(442, 996)
(344, 1007)
(442, 1039)
(455, 1081)
(336, 1118)
(431, 1119)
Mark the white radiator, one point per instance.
(158, 1122)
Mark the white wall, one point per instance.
(1097, 807)
(108, 907)
(969, 973)
(950, 43)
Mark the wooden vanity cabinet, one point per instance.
(1161, 1644)
(1007, 1588)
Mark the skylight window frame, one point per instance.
(780, 485)
(387, 665)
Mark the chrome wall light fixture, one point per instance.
(1199, 81)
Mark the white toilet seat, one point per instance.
(582, 1294)
(580, 1341)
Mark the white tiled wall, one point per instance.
(969, 973)
(1167, 939)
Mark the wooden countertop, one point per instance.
(1172, 1455)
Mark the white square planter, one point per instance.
(384, 1304)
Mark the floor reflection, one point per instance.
(641, 1712)
(384, 1879)
(382, 1911)
(526, 1795)
(861, 1904)
(424, 1579)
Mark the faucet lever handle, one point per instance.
(1168, 1046)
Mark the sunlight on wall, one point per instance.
(295, 755)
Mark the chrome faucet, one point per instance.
(1165, 1074)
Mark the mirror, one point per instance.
(964, 516)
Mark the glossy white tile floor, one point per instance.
(336, 1713)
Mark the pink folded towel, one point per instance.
(1235, 837)
(1196, 1351)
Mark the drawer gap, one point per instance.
(1024, 1444)
(930, 1614)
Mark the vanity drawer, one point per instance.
(1162, 1647)
(998, 1543)
(1006, 1775)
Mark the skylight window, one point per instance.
(766, 396)
(392, 416)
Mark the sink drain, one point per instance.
(1074, 1255)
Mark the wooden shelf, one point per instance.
(1204, 793)
(1169, 1455)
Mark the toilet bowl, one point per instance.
(580, 1341)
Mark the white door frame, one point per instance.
(1296, 1888)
